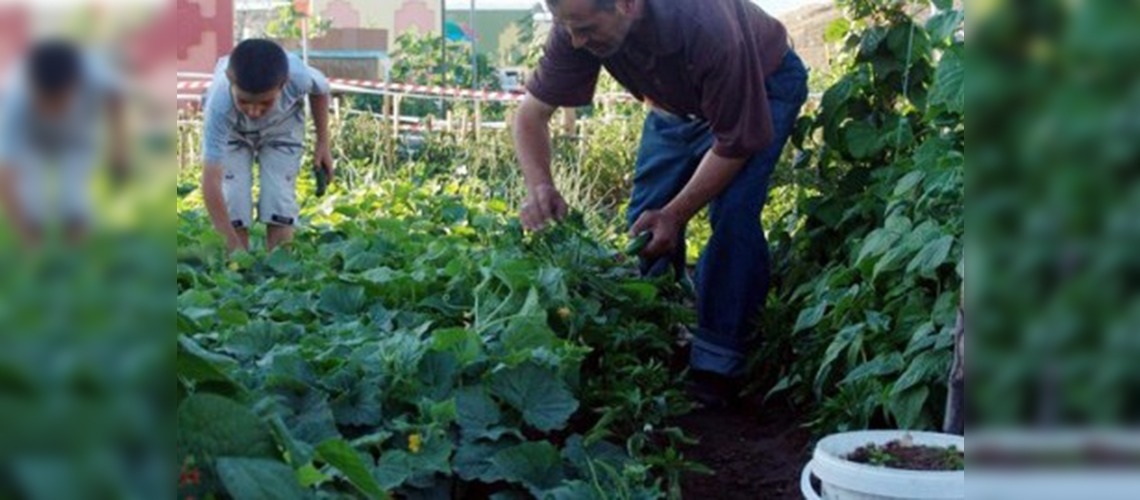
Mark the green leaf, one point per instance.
(891, 260)
(883, 364)
(950, 83)
(394, 469)
(464, 343)
(641, 291)
(907, 407)
(920, 339)
(309, 476)
(877, 242)
(871, 39)
(528, 330)
(942, 25)
(834, 99)
(380, 275)
(363, 262)
(258, 479)
(342, 299)
(862, 139)
(943, 4)
(476, 411)
(931, 256)
(437, 373)
(282, 261)
(539, 394)
(838, 344)
(339, 454)
(218, 426)
(537, 465)
(836, 30)
(574, 490)
(908, 182)
(198, 365)
(359, 406)
(810, 317)
(473, 460)
(920, 369)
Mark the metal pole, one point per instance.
(474, 52)
(443, 47)
(305, 39)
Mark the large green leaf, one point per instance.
(862, 139)
(259, 479)
(217, 426)
(883, 364)
(437, 374)
(810, 316)
(464, 343)
(528, 330)
(907, 407)
(342, 299)
(474, 460)
(943, 24)
(537, 465)
(539, 394)
(877, 242)
(931, 256)
(348, 461)
(842, 339)
(394, 469)
(197, 365)
(922, 367)
(476, 411)
(950, 83)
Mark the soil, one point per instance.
(756, 451)
(897, 455)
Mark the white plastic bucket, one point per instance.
(845, 480)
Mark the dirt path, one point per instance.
(757, 452)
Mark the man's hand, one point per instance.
(666, 229)
(322, 159)
(543, 203)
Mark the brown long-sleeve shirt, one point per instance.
(701, 58)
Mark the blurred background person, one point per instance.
(56, 105)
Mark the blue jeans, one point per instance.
(732, 276)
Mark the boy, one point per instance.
(254, 110)
(53, 108)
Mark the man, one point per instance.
(254, 109)
(725, 90)
(53, 108)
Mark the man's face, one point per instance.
(254, 105)
(600, 31)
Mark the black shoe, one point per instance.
(712, 390)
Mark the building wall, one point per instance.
(395, 16)
(205, 33)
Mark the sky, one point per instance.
(772, 6)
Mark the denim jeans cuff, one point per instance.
(709, 356)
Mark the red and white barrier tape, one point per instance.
(396, 88)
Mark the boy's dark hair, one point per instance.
(54, 66)
(258, 65)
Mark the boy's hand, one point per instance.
(322, 159)
(234, 243)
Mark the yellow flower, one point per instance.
(564, 313)
(415, 442)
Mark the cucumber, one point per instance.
(322, 180)
(638, 244)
